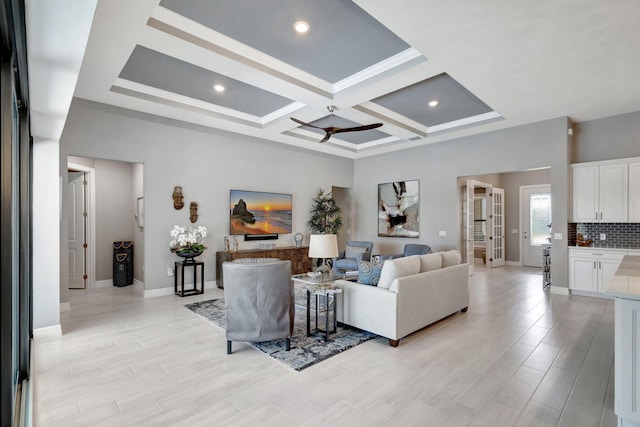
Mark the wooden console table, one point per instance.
(299, 257)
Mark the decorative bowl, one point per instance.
(191, 254)
(314, 274)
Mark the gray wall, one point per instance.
(138, 233)
(206, 164)
(438, 167)
(114, 212)
(511, 183)
(605, 139)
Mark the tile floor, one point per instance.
(519, 356)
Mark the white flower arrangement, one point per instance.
(187, 239)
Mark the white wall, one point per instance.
(438, 167)
(46, 234)
(206, 164)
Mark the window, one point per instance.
(540, 205)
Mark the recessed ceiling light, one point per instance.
(433, 103)
(301, 26)
(218, 88)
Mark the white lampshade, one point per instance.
(323, 246)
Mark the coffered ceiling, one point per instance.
(489, 65)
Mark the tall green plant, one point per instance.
(325, 216)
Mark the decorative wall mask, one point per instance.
(193, 209)
(177, 198)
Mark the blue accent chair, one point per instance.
(409, 249)
(354, 252)
(416, 249)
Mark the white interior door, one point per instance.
(497, 236)
(468, 208)
(536, 216)
(76, 230)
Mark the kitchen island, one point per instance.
(625, 287)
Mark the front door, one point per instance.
(536, 221)
(76, 230)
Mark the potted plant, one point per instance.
(186, 242)
(325, 216)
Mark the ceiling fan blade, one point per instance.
(305, 124)
(326, 137)
(357, 128)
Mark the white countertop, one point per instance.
(601, 248)
(626, 282)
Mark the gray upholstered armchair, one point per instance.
(354, 252)
(259, 301)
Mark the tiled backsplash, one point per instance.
(619, 235)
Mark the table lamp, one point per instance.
(323, 246)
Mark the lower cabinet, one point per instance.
(627, 362)
(590, 271)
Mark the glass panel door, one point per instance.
(540, 219)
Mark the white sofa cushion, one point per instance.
(450, 258)
(430, 262)
(399, 267)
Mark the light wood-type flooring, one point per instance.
(520, 356)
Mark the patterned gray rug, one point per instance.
(305, 351)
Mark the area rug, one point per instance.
(305, 351)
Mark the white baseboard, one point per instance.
(161, 292)
(65, 306)
(104, 283)
(55, 330)
(590, 294)
(559, 290)
(513, 263)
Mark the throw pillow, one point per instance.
(399, 267)
(450, 258)
(353, 252)
(430, 262)
(369, 273)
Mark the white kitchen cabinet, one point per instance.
(590, 269)
(600, 192)
(585, 193)
(634, 192)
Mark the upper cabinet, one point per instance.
(601, 192)
(634, 191)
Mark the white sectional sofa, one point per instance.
(412, 292)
